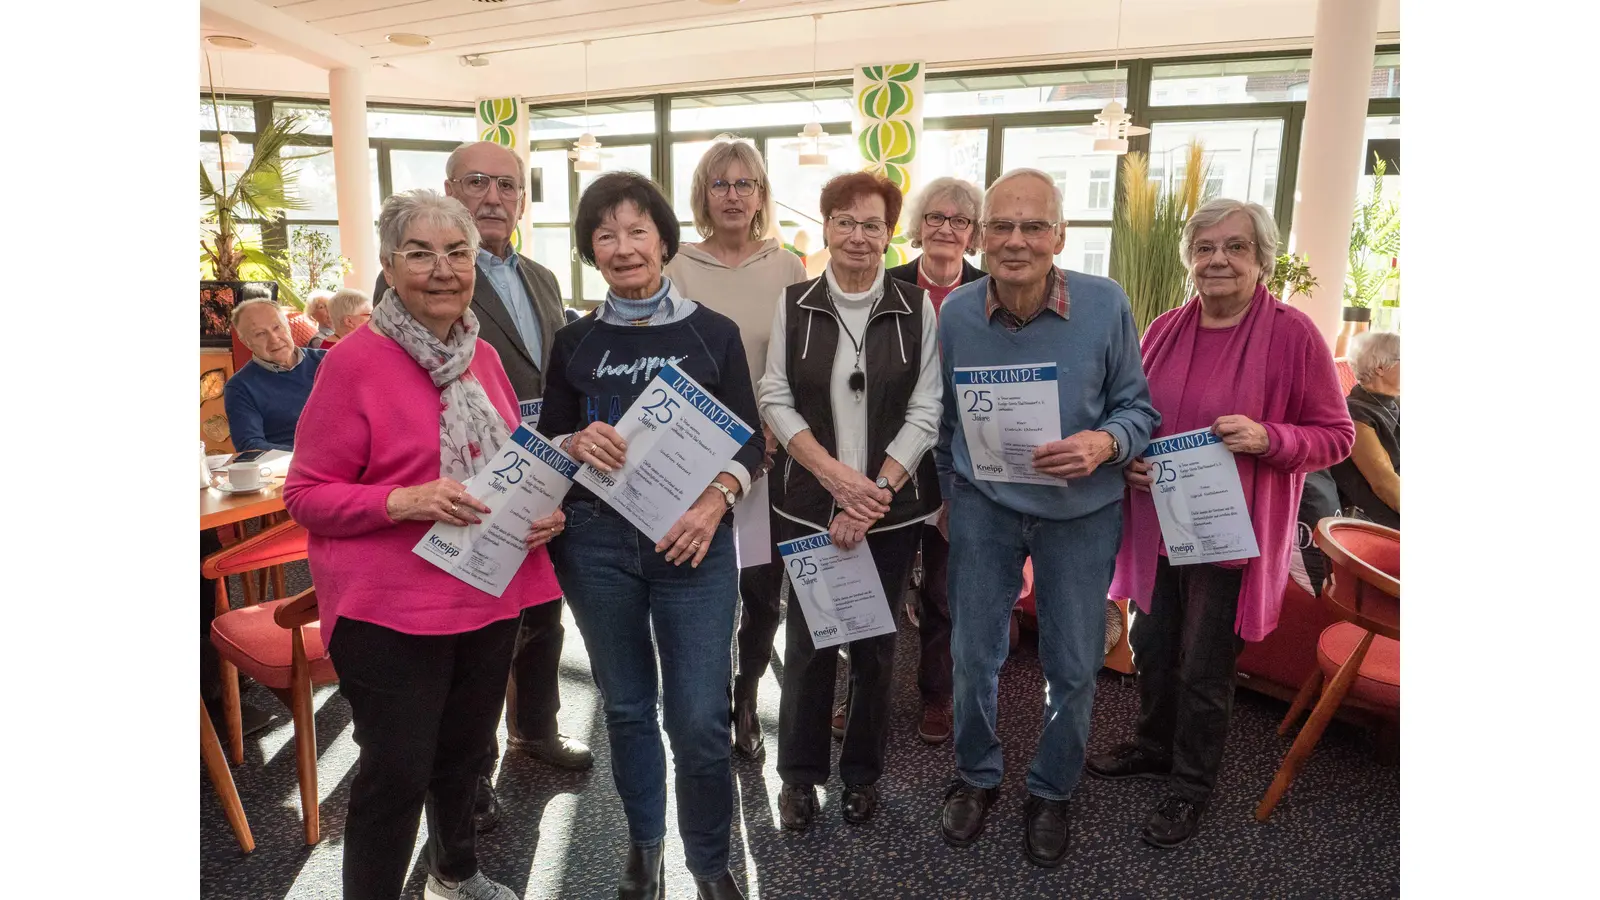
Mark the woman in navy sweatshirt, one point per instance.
(626, 591)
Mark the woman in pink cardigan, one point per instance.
(1257, 373)
(414, 406)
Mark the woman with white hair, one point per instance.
(1258, 374)
(740, 269)
(350, 309)
(1370, 479)
(320, 312)
(414, 406)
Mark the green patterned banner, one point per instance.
(501, 120)
(888, 128)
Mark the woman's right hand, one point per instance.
(1137, 474)
(857, 493)
(445, 500)
(600, 446)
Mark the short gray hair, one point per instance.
(1055, 190)
(346, 302)
(318, 296)
(238, 311)
(1214, 211)
(451, 161)
(1373, 350)
(966, 195)
(716, 160)
(404, 209)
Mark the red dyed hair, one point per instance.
(842, 190)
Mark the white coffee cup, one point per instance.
(247, 476)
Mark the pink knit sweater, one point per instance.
(371, 425)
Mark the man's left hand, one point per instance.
(1073, 457)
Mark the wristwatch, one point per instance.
(1116, 446)
(883, 482)
(727, 495)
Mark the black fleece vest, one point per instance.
(893, 354)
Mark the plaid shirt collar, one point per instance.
(1055, 300)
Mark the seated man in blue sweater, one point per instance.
(264, 398)
(1026, 338)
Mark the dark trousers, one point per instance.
(425, 708)
(933, 618)
(533, 694)
(1184, 650)
(760, 589)
(805, 711)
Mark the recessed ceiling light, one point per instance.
(230, 42)
(407, 39)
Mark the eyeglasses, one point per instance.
(1205, 249)
(844, 226)
(476, 184)
(1032, 229)
(957, 223)
(744, 187)
(423, 262)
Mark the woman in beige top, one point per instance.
(740, 269)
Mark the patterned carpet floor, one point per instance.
(562, 835)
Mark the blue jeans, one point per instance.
(1072, 563)
(619, 587)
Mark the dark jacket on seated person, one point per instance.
(264, 407)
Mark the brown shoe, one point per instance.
(936, 719)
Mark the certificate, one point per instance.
(1006, 413)
(529, 411)
(679, 437)
(1199, 499)
(752, 529)
(839, 590)
(524, 481)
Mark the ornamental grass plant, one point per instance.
(1146, 233)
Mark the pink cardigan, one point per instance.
(371, 425)
(1277, 370)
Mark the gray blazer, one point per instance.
(497, 326)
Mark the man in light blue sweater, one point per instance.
(1030, 314)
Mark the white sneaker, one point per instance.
(478, 887)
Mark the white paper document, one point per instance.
(1006, 413)
(529, 411)
(1199, 499)
(752, 529)
(839, 590)
(679, 437)
(524, 481)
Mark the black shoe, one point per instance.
(1174, 821)
(485, 807)
(1045, 839)
(965, 807)
(251, 719)
(747, 741)
(797, 805)
(559, 751)
(860, 802)
(1128, 760)
(724, 888)
(644, 875)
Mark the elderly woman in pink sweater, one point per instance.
(1257, 373)
(414, 407)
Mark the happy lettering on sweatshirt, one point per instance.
(644, 365)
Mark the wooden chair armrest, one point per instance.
(300, 610)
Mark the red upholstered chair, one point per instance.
(1347, 375)
(279, 644)
(222, 780)
(1360, 655)
(269, 549)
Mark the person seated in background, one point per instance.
(350, 309)
(264, 398)
(1369, 481)
(320, 312)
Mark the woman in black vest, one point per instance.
(852, 391)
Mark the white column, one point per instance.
(352, 175)
(1331, 146)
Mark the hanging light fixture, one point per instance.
(232, 160)
(1112, 125)
(585, 154)
(814, 143)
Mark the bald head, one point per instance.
(493, 210)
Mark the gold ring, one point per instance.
(693, 544)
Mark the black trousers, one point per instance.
(425, 708)
(1184, 651)
(804, 713)
(934, 672)
(760, 590)
(533, 695)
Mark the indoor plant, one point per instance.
(1291, 275)
(1146, 232)
(313, 262)
(1374, 251)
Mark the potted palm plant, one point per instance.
(1146, 232)
(1374, 248)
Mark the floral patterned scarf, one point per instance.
(470, 428)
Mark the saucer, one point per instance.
(228, 488)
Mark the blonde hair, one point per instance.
(716, 160)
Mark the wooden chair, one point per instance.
(271, 548)
(279, 644)
(222, 780)
(1360, 655)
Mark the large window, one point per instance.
(960, 154)
(1068, 156)
(967, 95)
(747, 110)
(1240, 153)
